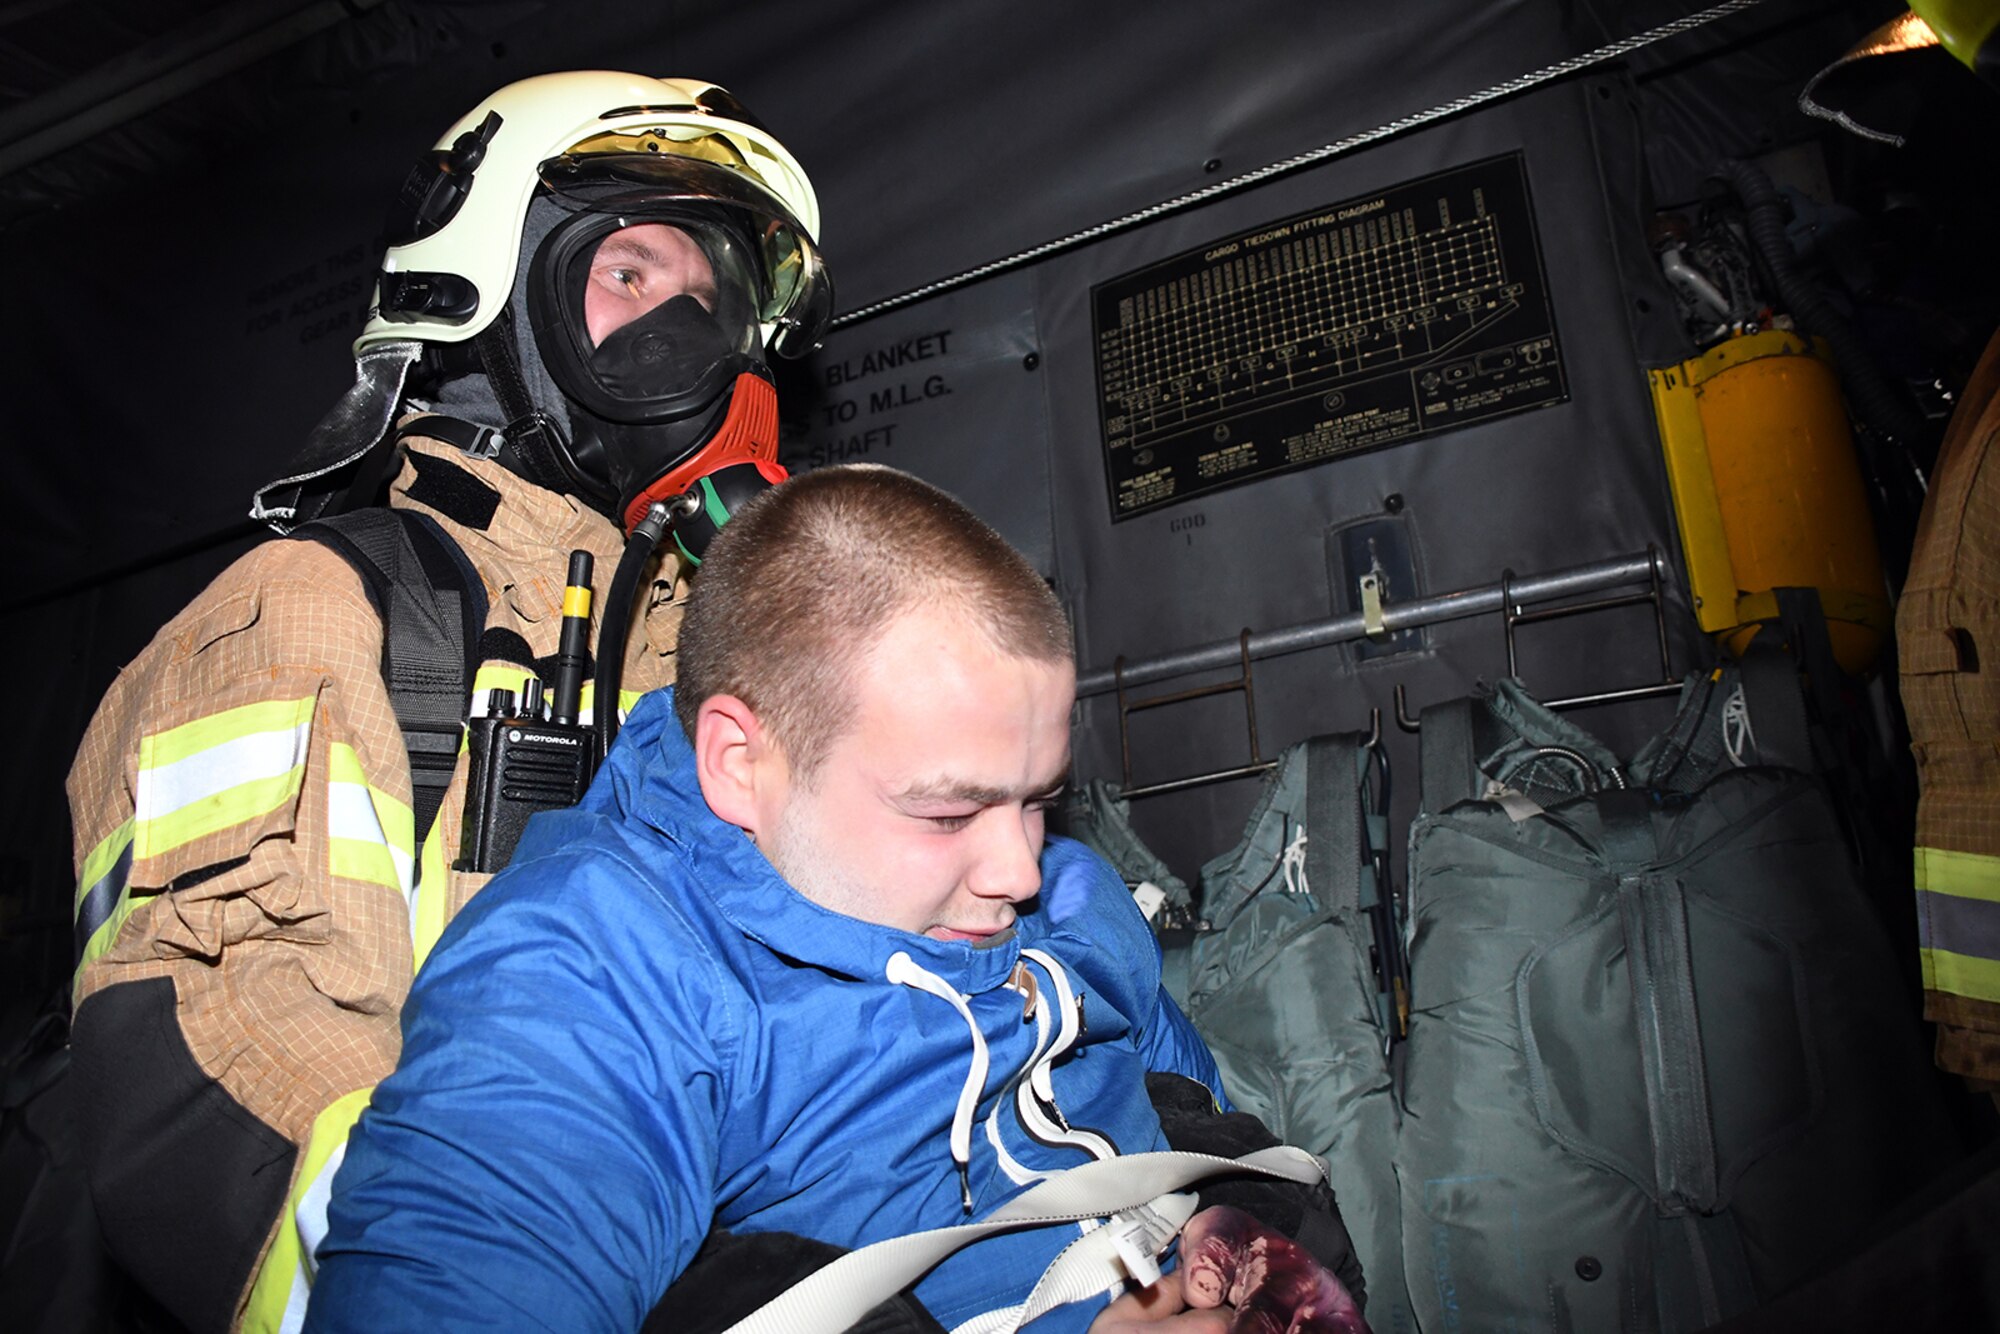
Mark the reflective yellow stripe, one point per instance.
(278, 1298)
(509, 677)
(101, 859)
(100, 939)
(1965, 875)
(1961, 975)
(505, 676)
(427, 917)
(176, 744)
(216, 812)
(343, 764)
(497, 676)
(103, 899)
(360, 859)
(627, 699)
(370, 835)
(222, 770)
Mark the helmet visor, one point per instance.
(793, 292)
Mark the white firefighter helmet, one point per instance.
(455, 237)
(561, 160)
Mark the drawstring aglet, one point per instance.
(1023, 981)
(965, 1186)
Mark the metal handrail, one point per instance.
(1639, 567)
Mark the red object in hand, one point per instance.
(1274, 1286)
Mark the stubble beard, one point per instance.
(798, 852)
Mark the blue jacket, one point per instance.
(639, 1030)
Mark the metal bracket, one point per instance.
(1127, 707)
(1371, 608)
(1514, 612)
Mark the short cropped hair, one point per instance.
(805, 578)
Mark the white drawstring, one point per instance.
(1038, 1074)
(1737, 735)
(1018, 1174)
(905, 971)
(1034, 1094)
(1295, 865)
(1039, 1082)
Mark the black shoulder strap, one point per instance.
(433, 607)
(1335, 845)
(1775, 700)
(1448, 758)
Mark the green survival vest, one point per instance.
(1278, 980)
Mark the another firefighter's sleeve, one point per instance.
(244, 846)
(546, 1155)
(1947, 641)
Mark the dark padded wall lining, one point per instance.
(172, 342)
(1561, 486)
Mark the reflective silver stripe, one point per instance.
(167, 788)
(311, 1213)
(102, 897)
(351, 814)
(294, 1319)
(1960, 925)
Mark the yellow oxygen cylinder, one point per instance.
(1768, 491)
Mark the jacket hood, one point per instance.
(650, 777)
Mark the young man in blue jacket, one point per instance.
(802, 962)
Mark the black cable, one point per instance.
(1876, 398)
(617, 620)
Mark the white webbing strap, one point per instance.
(839, 1294)
(1128, 1246)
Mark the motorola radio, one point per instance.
(523, 761)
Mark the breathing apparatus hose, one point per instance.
(639, 548)
(1875, 397)
(693, 517)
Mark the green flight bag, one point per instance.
(1661, 1065)
(1278, 975)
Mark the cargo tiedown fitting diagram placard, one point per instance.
(1367, 323)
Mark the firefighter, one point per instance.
(1945, 619)
(583, 284)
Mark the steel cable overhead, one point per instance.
(1443, 111)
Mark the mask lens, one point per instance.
(644, 320)
(790, 285)
(638, 267)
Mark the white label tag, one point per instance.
(1150, 898)
(1133, 1241)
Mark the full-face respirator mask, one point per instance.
(479, 282)
(647, 316)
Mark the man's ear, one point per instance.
(738, 765)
